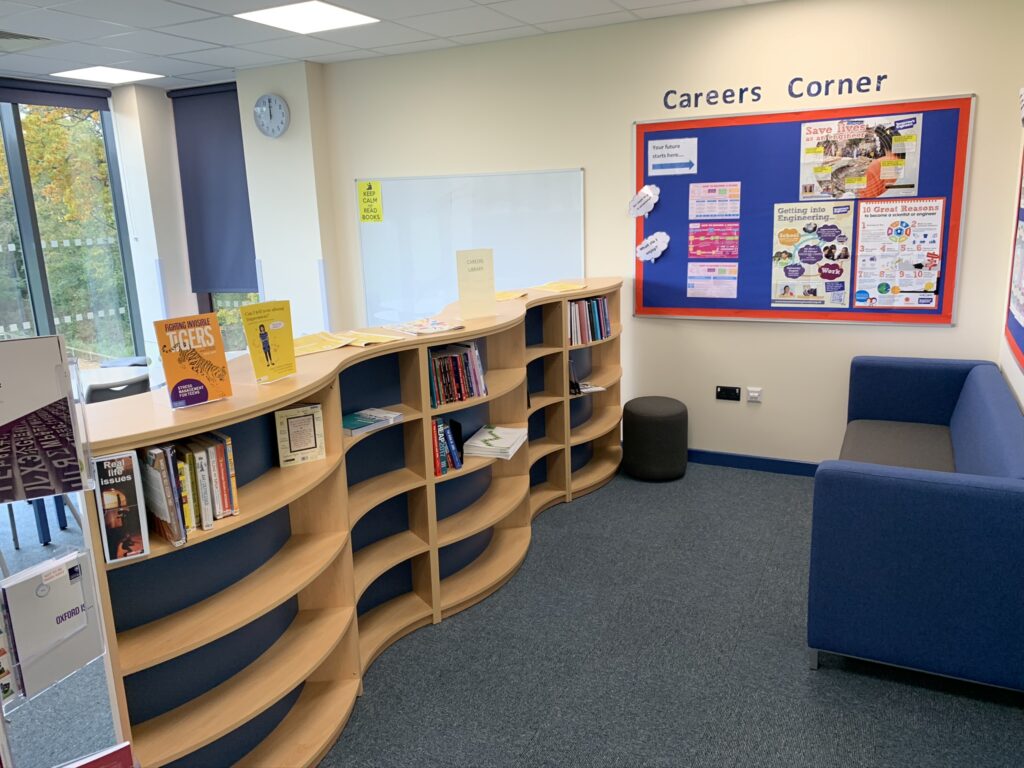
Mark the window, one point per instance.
(62, 266)
(226, 306)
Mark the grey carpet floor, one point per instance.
(663, 625)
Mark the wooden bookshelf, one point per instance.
(315, 560)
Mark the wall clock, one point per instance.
(271, 115)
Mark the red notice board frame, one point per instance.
(956, 203)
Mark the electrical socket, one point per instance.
(727, 393)
(754, 395)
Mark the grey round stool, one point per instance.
(654, 438)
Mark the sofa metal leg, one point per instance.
(812, 658)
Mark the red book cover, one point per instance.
(115, 757)
(437, 454)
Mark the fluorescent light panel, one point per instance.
(306, 18)
(111, 75)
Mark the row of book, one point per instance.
(589, 320)
(447, 439)
(456, 374)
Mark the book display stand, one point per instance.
(248, 644)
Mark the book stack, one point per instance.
(589, 320)
(447, 439)
(496, 442)
(190, 485)
(456, 374)
(368, 420)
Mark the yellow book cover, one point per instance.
(192, 351)
(268, 332)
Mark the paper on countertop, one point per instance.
(561, 286)
(509, 295)
(320, 342)
(652, 247)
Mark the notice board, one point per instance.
(1015, 312)
(849, 214)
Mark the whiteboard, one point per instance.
(533, 222)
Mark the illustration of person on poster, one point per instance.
(810, 254)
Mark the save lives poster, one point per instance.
(811, 256)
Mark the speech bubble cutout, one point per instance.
(829, 271)
(652, 247)
(793, 271)
(789, 236)
(643, 202)
(828, 232)
(810, 254)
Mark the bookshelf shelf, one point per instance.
(297, 564)
(368, 494)
(295, 698)
(310, 728)
(500, 381)
(373, 560)
(390, 621)
(470, 464)
(600, 469)
(493, 568)
(500, 499)
(603, 421)
(408, 414)
(275, 488)
(299, 651)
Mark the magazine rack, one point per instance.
(248, 644)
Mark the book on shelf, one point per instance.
(574, 382)
(496, 442)
(194, 360)
(589, 320)
(456, 374)
(368, 420)
(202, 484)
(164, 497)
(587, 388)
(118, 756)
(300, 434)
(446, 437)
(268, 334)
(425, 326)
(121, 504)
(228, 458)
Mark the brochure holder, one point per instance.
(71, 378)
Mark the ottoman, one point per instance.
(654, 438)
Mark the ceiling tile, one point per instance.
(397, 9)
(423, 45)
(137, 13)
(377, 35)
(163, 65)
(600, 20)
(226, 30)
(153, 43)
(498, 34)
(297, 47)
(232, 57)
(87, 54)
(632, 4)
(19, 63)
(6, 9)
(464, 21)
(345, 56)
(235, 6)
(540, 11)
(166, 83)
(694, 6)
(42, 3)
(59, 26)
(212, 76)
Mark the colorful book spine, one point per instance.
(453, 452)
(437, 454)
(229, 455)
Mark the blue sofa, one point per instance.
(917, 544)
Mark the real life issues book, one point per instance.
(118, 756)
(195, 363)
(39, 453)
(268, 332)
(121, 504)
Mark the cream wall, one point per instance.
(570, 100)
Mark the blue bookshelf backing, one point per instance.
(535, 375)
(537, 425)
(580, 455)
(155, 588)
(455, 495)
(384, 520)
(373, 383)
(159, 689)
(582, 362)
(534, 324)
(388, 585)
(538, 472)
(380, 452)
(580, 410)
(254, 444)
(229, 749)
(471, 418)
(457, 556)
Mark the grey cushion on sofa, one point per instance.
(899, 444)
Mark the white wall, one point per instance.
(148, 158)
(570, 100)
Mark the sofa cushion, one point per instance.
(987, 427)
(899, 444)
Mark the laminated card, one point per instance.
(475, 271)
(195, 364)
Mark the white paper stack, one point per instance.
(496, 442)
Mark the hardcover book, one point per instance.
(121, 505)
(268, 332)
(195, 364)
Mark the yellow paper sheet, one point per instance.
(560, 286)
(320, 342)
(509, 295)
(364, 339)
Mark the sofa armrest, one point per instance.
(920, 569)
(914, 389)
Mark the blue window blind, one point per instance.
(18, 91)
(218, 225)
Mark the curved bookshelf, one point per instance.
(493, 568)
(299, 651)
(296, 564)
(368, 494)
(470, 464)
(602, 422)
(541, 447)
(616, 332)
(537, 351)
(599, 470)
(373, 560)
(604, 376)
(542, 400)
(544, 495)
(408, 414)
(275, 488)
(500, 381)
(310, 728)
(389, 622)
(502, 496)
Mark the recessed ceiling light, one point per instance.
(306, 18)
(111, 75)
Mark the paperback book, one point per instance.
(194, 360)
(425, 326)
(121, 504)
(300, 434)
(268, 332)
(496, 442)
(368, 420)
